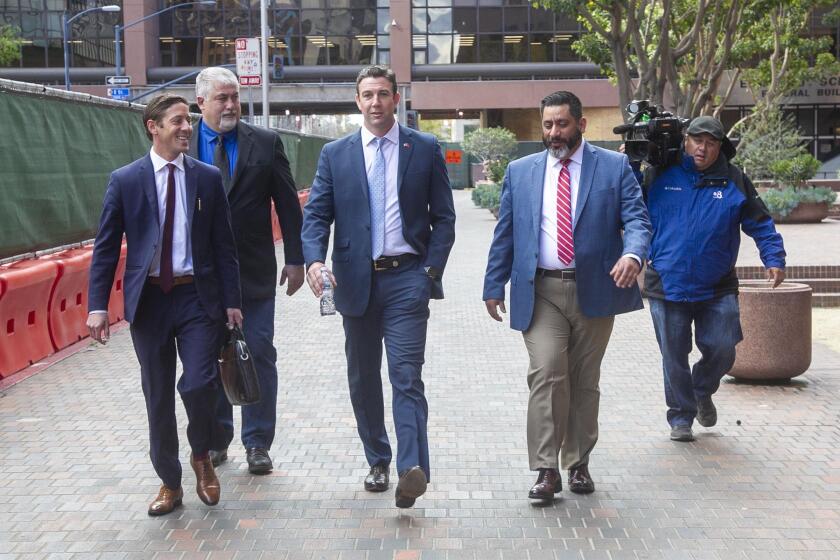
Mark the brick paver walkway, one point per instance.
(75, 479)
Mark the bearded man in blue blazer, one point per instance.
(386, 190)
(572, 234)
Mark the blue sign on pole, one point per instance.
(277, 66)
(119, 93)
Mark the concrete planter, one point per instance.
(805, 213)
(777, 331)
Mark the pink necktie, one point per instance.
(565, 241)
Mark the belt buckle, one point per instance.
(377, 267)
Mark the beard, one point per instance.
(228, 123)
(567, 148)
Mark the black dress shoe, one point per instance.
(579, 480)
(411, 486)
(258, 460)
(377, 478)
(218, 457)
(548, 483)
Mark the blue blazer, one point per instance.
(131, 207)
(340, 194)
(609, 201)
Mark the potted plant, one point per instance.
(797, 202)
(494, 147)
(487, 195)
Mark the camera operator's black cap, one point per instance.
(712, 126)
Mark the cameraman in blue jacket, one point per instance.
(697, 207)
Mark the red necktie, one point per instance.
(565, 241)
(166, 275)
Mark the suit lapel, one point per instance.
(191, 181)
(244, 142)
(536, 193)
(405, 150)
(146, 177)
(357, 161)
(587, 174)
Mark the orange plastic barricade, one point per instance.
(275, 225)
(24, 327)
(69, 299)
(116, 303)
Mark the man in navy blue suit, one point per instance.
(181, 285)
(572, 233)
(386, 190)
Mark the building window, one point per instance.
(90, 41)
(303, 32)
(490, 31)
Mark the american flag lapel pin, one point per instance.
(406, 145)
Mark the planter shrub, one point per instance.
(487, 195)
(781, 202)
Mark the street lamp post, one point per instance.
(65, 35)
(118, 29)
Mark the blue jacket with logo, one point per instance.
(696, 218)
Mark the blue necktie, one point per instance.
(376, 186)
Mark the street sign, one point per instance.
(454, 156)
(248, 64)
(118, 80)
(119, 93)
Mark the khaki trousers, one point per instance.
(565, 349)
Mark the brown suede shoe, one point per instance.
(580, 482)
(166, 501)
(548, 483)
(207, 485)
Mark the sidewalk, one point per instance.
(806, 244)
(764, 484)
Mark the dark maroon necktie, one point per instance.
(166, 275)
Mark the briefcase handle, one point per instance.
(237, 334)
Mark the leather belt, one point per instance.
(177, 281)
(392, 262)
(567, 274)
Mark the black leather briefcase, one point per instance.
(237, 370)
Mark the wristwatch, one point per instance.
(432, 272)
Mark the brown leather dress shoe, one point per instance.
(548, 483)
(579, 480)
(207, 485)
(166, 501)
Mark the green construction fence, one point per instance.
(57, 150)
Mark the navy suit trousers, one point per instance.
(163, 325)
(398, 312)
(259, 420)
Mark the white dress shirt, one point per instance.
(548, 224)
(182, 264)
(395, 243)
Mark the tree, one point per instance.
(494, 147)
(770, 137)
(488, 144)
(10, 42)
(681, 51)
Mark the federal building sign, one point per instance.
(825, 91)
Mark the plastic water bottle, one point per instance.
(327, 300)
